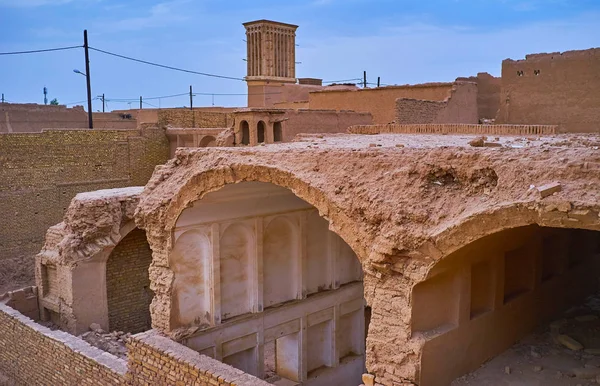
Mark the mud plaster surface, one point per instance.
(402, 202)
(538, 360)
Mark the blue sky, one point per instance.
(401, 41)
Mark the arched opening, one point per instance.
(277, 132)
(285, 295)
(128, 285)
(208, 141)
(491, 293)
(245, 130)
(260, 132)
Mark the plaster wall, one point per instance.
(380, 102)
(554, 88)
(494, 291)
(285, 95)
(268, 265)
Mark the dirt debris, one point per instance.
(111, 342)
(541, 360)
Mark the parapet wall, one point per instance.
(556, 88)
(438, 128)
(31, 354)
(200, 118)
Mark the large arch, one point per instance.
(284, 293)
(398, 238)
(208, 141)
(500, 274)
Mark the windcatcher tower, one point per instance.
(271, 57)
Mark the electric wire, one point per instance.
(165, 66)
(37, 51)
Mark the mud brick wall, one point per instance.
(417, 111)
(380, 102)
(157, 360)
(42, 172)
(193, 118)
(24, 300)
(555, 89)
(31, 354)
(128, 284)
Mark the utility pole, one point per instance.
(87, 78)
(102, 98)
(378, 80)
(191, 99)
(140, 102)
(364, 79)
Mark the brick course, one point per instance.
(458, 128)
(128, 284)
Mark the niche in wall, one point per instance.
(237, 252)
(482, 288)
(280, 262)
(435, 304)
(519, 277)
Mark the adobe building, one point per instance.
(330, 259)
(552, 88)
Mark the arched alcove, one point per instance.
(280, 268)
(245, 132)
(494, 291)
(260, 132)
(190, 262)
(208, 141)
(128, 285)
(277, 132)
(237, 250)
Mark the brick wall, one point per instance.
(202, 118)
(128, 284)
(557, 89)
(42, 172)
(380, 102)
(31, 354)
(24, 300)
(417, 111)
(460, 107)
(156, 360)
(438, 128)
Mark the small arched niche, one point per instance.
(260, 132)
(277, 132)
(245, 132)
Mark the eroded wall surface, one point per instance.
(554, 88)
(380, 102)
(451, 195)
(42, 172)
(459, 107)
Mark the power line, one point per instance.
(149, 104)
(341, 81)
(36, 51)
(75, 103)
(165, 66)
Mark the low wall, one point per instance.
(150, 355)
(24, 300)
(31, 354)
(454, 129)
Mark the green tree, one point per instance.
(54, 102)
